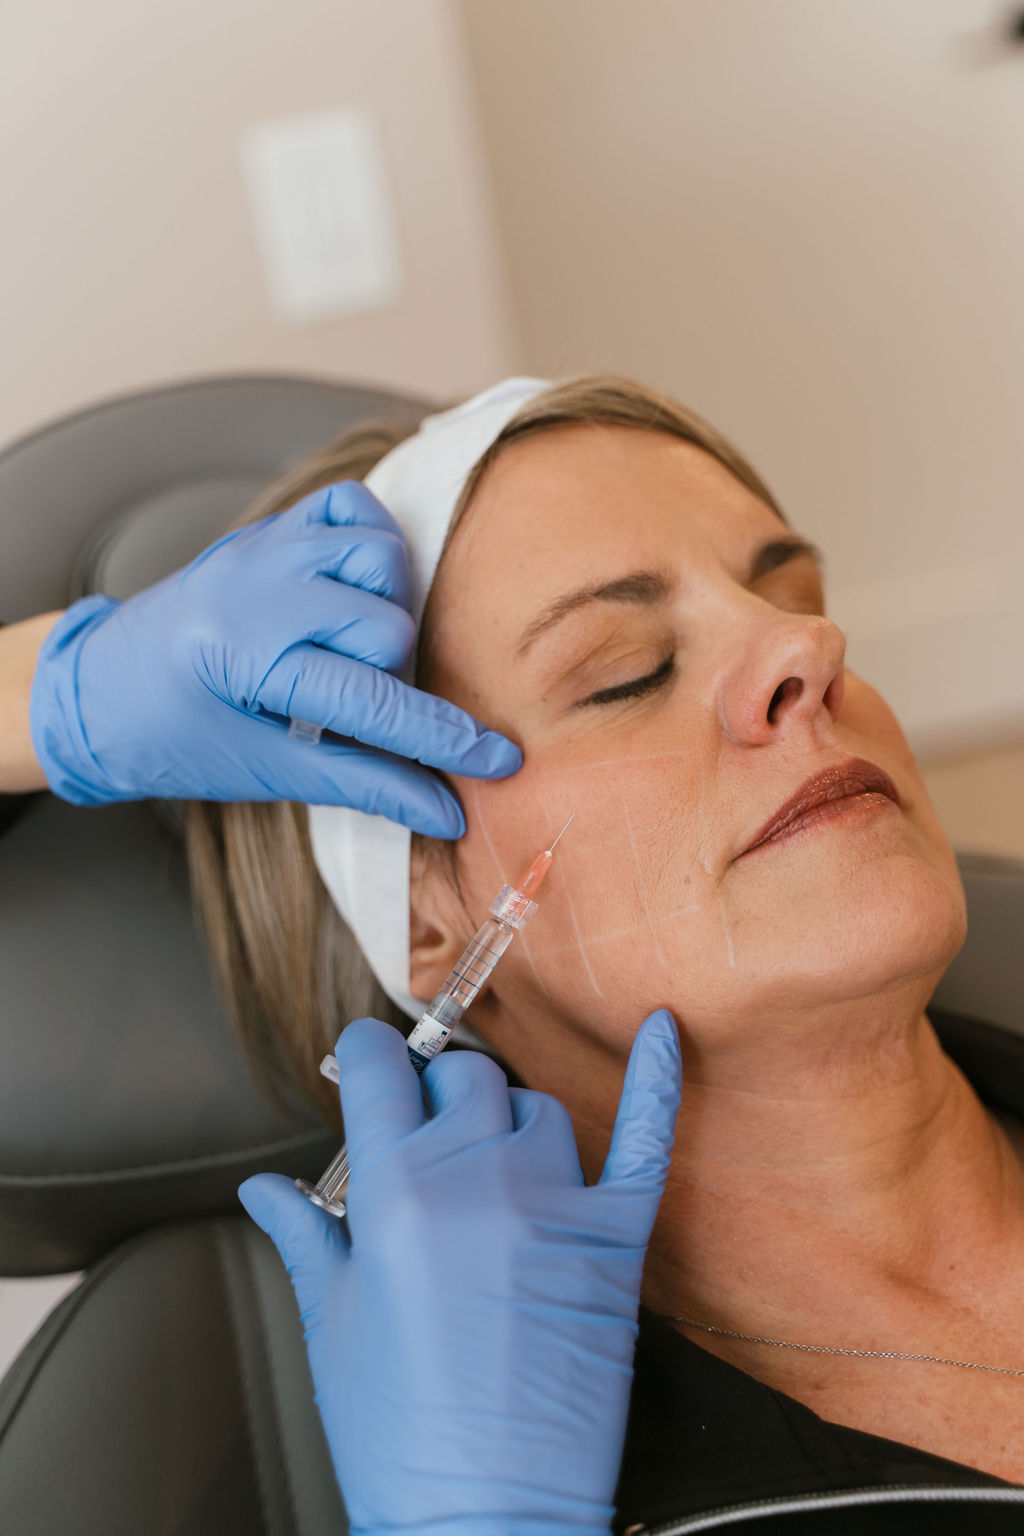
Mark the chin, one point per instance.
(888, 924)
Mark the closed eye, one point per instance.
(634, 689)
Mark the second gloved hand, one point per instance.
(185, 690)
(471, 1335)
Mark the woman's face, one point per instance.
(654, 638)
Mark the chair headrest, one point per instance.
(142, 543)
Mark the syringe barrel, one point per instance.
(511, 910)
(472, 969)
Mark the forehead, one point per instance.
(573, 502)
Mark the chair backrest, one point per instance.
(986, 980)
(129, 489)
(124, 1100)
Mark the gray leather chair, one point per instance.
(168, 1394)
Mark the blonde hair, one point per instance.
(289, 970)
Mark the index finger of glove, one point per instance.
(469, 1096)
(381, 1099)
(645, 1125)
(352, 698)
(346, 502)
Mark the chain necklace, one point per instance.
(864, 1354)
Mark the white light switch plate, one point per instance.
(324, 217)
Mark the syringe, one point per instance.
(510, 912)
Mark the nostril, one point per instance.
(790, 690)
(833, 699)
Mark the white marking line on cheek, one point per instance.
(637, 757)
(621, 933)
(573, 946)
(487, 836)
(581, 947)
(640, 880)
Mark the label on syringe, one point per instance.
(426, 1040)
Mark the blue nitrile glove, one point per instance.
(185, 690)
(471, 1334)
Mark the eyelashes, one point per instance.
(634, 689)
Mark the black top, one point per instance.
(704, 1436)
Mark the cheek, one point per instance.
(631, 869)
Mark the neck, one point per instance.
(866, 1178)
(825, 1178)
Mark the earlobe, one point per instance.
(432, 952)
(436, 936)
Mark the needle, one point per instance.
(565, 829)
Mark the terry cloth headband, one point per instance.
(364, 860)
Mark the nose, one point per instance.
(789, 678)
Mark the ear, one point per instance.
(437, 923)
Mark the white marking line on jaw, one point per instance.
(727, 931)
(581, 946)
(640, 881)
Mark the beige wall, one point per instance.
(127, 255)
(980, 801)
(804, 219)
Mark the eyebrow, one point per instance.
(650, 587)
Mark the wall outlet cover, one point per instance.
(324, 215)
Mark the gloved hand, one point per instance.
(471, 1334)
(186, 689)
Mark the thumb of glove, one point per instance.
(313, 1245)
(645, 1125)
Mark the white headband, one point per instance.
(364, 860)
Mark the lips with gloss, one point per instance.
(856, 777)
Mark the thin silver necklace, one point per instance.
(863, 1354)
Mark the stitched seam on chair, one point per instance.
(15, 1386)
(243, 1345)
(147, 1170)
